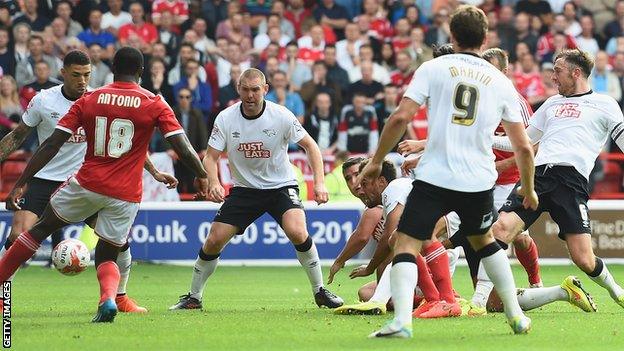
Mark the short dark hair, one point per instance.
(292, 43)
(388, 171)
(36, 37)
(187, 44)
(469, 26)
(76, 57)
(577, 58)
(128, 61)
(332, 46)
(444, 49)
(351, 161)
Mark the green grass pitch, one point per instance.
(271, 308)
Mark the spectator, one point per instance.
(274, 35)
(156, 79)
(560, 43)
(95, 34)
(614, 28)
(159, 50)
(505, 29)
(367, 36)
(228, 95)
(573, 27)
(31, 16)
(297, 71)
(100, 73)
(603, 80)
(191, 120)
(402, 37)
(348, 49)
(538, 8)
(10, 104)
(357, 130)
(272, 66)
(311, 46)
(418, 51)
(187, 52)
(550, 89)
(145, 33)
(439, 32)
(202, 94)
(43, 80)
(64, 12)
(258, 9)
(279, 94)
(388, 58)
(320, 84)
(367, 86)
(297, 14)
(7, 55)
(25, 69)
(328, 13)
(58, 37)
(278, 9)
(614, 45)
(21, 36)
(233, 56)
(403, 74)
(529, 81)
(618, 69)
(392, 94)
(169, 35)
(413, 15)
(523, 35)
(235, 30)
(380, 27)
(322, 124)
(335, 73)
(115, 18)
(587, 40)
(213, 12)
(380, 74)
(203, 44)
(177, 8)
(545, 44)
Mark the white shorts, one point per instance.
(73, 203)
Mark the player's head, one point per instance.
(350, 172)
(572, 67)
(252, 87)
(76, 72)
(468, 28)
(441, 50)
(372, 189)
(128, 63)
(497, 57)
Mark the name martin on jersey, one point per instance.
(470, 73)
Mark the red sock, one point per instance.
(529, 259)
(108, 276)
(425, 283)
(438, 263)
(22, 249)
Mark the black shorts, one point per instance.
(244, 205)
(562, 192)
(38, 194)
(426, 203)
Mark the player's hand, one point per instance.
(361, 271)
(371, 171)
(408, 165)
(529, 200)
(215, 192)
(411, 146)
(337, 266)
(14, 198)
(201, 184)
(321, 195)
(166, 179)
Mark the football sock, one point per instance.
(453, 256)
(108, 276)
(383, 292)
(309, 259)
(205, 265)
(483, 288)
(21, 250)
(403, 279)
(497, 267)
(603, 277)
(528, 258)
(425, 282)
(538, 297)
(124, 262)
(438, 263)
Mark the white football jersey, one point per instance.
(257, 148)
(466, 98)
(575, 129)
(395, 193)
(43, 112)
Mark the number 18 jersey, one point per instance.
(466, 98)
(118, 120)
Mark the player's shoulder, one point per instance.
(231, 110)
(603, 99)
(398, 186)
(50, 93)
(277, 111)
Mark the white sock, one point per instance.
(383, 291)
(453, 256)
(538, 297)
(605, 279)
(498, 269)
(201, 271)
(311, 263)
(483, 288)
(124, 262)
(403, 278)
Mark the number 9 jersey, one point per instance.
(118, 120)
(466, 98)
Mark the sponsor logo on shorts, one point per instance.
(486, 222)
(584, 215)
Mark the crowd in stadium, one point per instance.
(340, 66)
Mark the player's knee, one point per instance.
(365, 293)
(585, 261)
(503, 229)
(522, 242)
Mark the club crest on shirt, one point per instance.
(55, 115)
(568, 110)
(269, 132)
(254, 150)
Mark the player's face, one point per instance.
(371, 190)
(563, 78)
(350, 175)
(252, 91)
(76, 79)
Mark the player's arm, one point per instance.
(364, 231)
(393, 132)
(315, 159)
(159, 176)
(216, 193)
(14, 139)
(383, 249)
(523, 152)
(183, 148)
(503, 143)
(48, 149)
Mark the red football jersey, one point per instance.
(118, 120)
(512, 175)
(177, 8)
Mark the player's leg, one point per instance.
(22, 221)
(570, 290)
(438, 264)
(108, 277)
